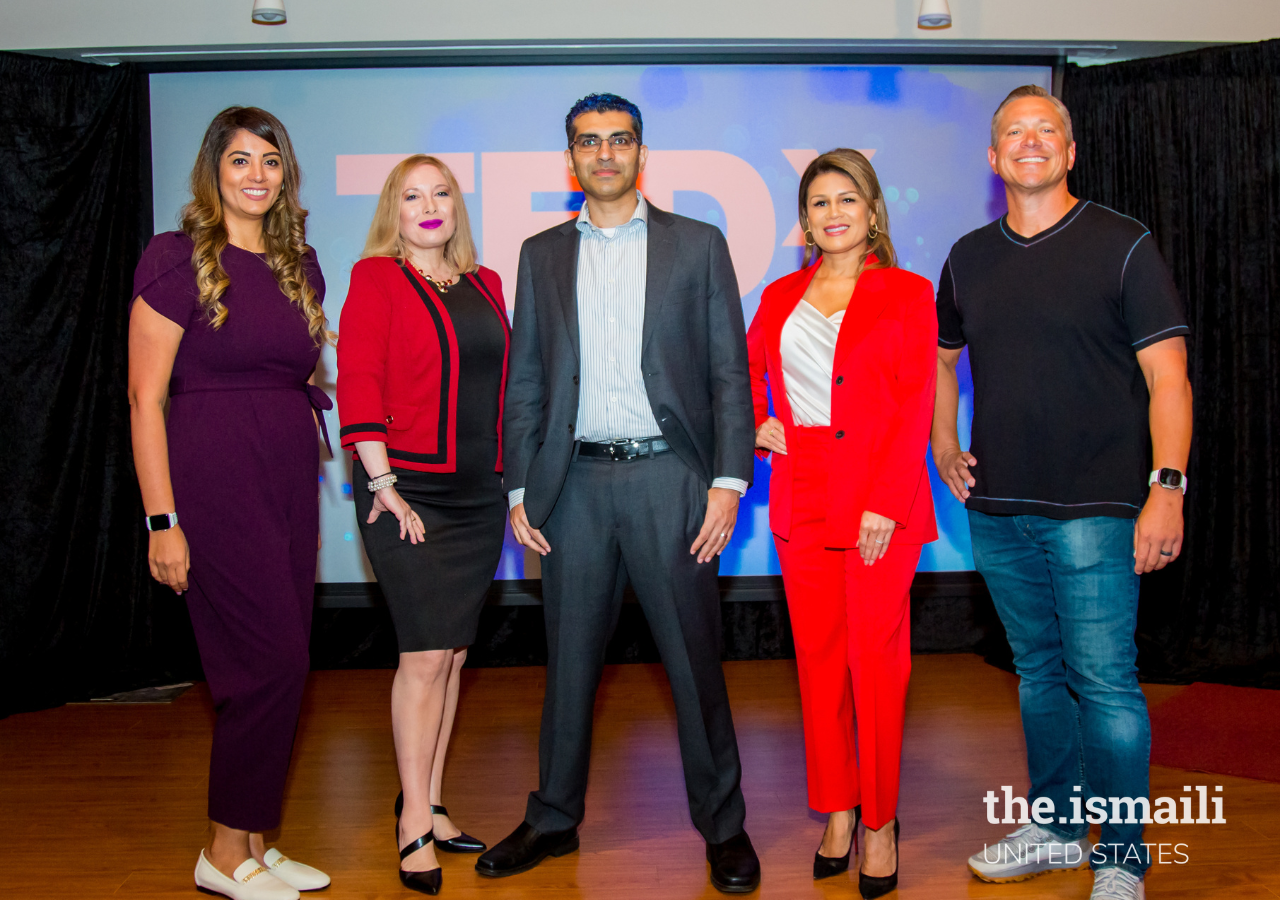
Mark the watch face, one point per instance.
(1170, 478)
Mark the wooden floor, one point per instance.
(100, 801)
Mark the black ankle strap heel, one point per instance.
(424, 882)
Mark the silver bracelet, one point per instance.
(382, 481)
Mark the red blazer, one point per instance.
(393, 348)
(882, 392)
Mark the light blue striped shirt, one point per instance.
(612, 272)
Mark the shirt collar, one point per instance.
(586, 226)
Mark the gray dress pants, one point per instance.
(614, 522)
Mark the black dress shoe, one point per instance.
(523, 849)
(424, 882)
(735, 868)
(826, 866)
(872, 886)
(463, 843)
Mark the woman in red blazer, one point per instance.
(422, 365)
(847, 348)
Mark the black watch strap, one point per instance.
(162, 522)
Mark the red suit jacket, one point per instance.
(398, 364)
(882, 393)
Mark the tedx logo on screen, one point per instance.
(512, 179)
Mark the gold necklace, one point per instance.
(442, 285)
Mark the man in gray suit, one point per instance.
(627, 443)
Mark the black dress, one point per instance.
(436, 588)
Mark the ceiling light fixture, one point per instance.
(269, 12)
(933, 14)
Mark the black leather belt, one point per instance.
(621, 451)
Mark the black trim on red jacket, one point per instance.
(446, 371)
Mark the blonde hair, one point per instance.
(384, 234)
(858, 169)
(284, 227)
(1031, 90)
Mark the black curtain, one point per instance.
(1190, 146)
(76, 607)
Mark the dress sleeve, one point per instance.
(165, 280)
(950, 327)
(315, 278)
(1153, 309)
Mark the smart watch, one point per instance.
(1171, 479)
(162, 522)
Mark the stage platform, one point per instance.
(109, 801)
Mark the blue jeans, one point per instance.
(1068, 597)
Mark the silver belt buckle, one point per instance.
(623, 450)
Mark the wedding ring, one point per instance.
(879, 542)
(1166, 553)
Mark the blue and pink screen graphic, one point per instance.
(727, 146)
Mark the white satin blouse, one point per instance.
(808, 349)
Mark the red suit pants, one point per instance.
(852, 629)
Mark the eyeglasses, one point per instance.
(590, 143)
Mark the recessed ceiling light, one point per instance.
(933, 14)
(269, 12)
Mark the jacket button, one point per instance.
(571, 429)
(839, 379)
(839, 434)
(575, 379)
(390, 419)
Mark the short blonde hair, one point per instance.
(858, 168)
(384, 234)
(1031, 90)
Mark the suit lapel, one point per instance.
(660, 257)
(868, 302)
(778, 315)
(564, 269)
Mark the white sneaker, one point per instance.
(250, 881)
(294, 873)
(1028, 852)
(1115, 883)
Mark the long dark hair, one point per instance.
(284, 228)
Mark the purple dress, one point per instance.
(244, 461)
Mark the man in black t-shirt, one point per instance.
(1076, 338)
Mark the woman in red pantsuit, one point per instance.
(847, 348)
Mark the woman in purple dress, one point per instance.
(227, 326)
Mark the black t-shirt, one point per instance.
(1053, 324)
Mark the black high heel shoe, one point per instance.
(463, 843)
(872, 886)
(826, 866)
(424, 882)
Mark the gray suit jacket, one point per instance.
(694, 356)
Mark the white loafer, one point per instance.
(294, 873)
(250, 881)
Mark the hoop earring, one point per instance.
(808, 238)
(873, 233)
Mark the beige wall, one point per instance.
(70, 24)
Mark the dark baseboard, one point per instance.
(951, 612)
(733, 589)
